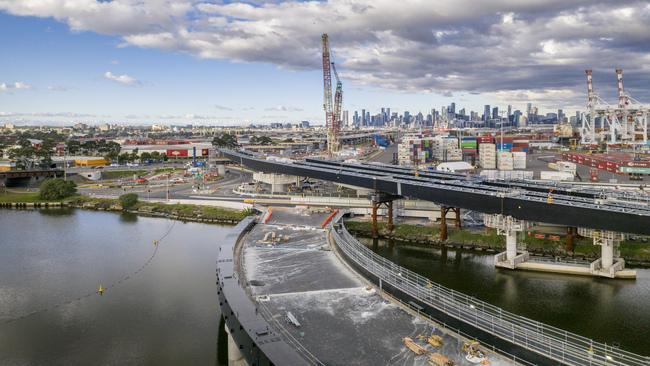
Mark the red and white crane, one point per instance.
(332, 121)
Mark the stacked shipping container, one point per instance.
(614, 163)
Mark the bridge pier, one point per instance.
(570, 237)
(235, 357)
(378, 199)
(508, 226)
(610, 264)
(444, 210)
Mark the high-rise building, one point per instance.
(364, 121)
(495, 113)
(486, 113)
(345, 119)
(452, 108)
(509, 110)
(560, 116)
(355, 119)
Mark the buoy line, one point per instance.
(101, 289)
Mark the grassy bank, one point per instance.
(21, 197)
(184, 212)
(633, 251)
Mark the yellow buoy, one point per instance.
(101, 290)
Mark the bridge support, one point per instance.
(508, 226)
(570, 237)
(378, 199)
(610, 264)
(444, 210)
(235, 357)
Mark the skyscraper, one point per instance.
(495, 113)
(509, 111)
(486, 113)
(364, 122)
(345, 119)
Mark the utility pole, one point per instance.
(65, 163)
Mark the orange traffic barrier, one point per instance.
(329, 218)
(269, 213)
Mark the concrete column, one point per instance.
(278, 188)
(607, 254)
(390, 216)
(511, 245)
(443, 222)
(458, 223)
(235, 358)
(375, 230)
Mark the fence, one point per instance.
(542, 339)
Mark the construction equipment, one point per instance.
(473, 354)
(436, 359)
(435, 341)
(331, 123)
(416, 348)
(338, 100)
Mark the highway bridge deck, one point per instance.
(525, 200)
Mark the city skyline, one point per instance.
(191, 62)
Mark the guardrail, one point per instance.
(541, 339)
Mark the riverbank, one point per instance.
(183, 212)
(486, 240)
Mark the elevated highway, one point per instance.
(522, 200)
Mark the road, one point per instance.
(385, 156)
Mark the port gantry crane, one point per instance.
(625, 122)
(332, 121)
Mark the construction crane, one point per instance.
(331, 123)
(338, 102)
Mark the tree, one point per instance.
(123, 158)
(225, 140)
(72, 147)
(23, 154)
(128, 200)
(261, 140)
(56, 189)
(145, 156)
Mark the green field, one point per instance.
(22, 197)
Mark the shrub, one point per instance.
(128, 200)
(56, 189)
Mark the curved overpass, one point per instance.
(524, 200)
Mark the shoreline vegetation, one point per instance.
(486, 240)
(182, 212)
(635, 253)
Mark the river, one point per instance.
(610, 311)
(166, 314)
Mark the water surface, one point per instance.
(167, 314)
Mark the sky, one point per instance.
(213, 62)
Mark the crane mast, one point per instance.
(338, 102)
(331, 122)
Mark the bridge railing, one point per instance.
(549, 341)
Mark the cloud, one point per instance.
(282, 108)
(57, 88)
(16, 85)
(123, 79)
(222, 107)
(443, 47)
